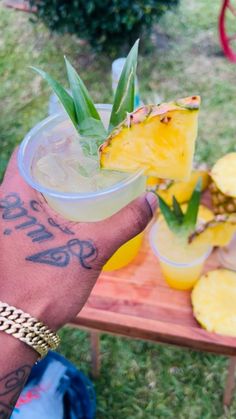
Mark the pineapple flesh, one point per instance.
(214, 302)
(218, 231)
(223, 185)
(159, 140)
(183, 190)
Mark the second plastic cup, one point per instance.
(179, 275)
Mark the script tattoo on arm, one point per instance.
(16, 212)
(19, 216)
(83, 250)
(10, 388)
(63, 229)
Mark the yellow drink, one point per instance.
(181, 263)
(181, 277)
(125, 254)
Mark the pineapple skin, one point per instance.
(221, 203)
(158, 139)
(223, 184)
(217, 231)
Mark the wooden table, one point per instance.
(136, 302)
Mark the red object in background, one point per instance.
(226, 40)
(22, 5)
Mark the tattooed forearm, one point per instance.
(10, 388)
(35, 205)
(83, 250)
(64, 229)
(13, 210)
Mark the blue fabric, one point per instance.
(56, 390)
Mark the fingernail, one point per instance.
(151, 198)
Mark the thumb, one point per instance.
(129, 221)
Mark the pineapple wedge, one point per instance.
(224, 174)
(214, 302)
(183, 190)
(217, 232)
(223, 186)
(204, 214)
(159, 140)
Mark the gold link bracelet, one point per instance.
(27, 329)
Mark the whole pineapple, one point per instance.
(223, 185)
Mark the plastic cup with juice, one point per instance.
(51, 161)
(181, 263)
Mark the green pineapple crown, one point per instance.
(180, 223)
(81, 108)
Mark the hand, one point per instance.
(49, 265)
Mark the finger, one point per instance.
(128, 222)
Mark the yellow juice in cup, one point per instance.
(125, 254)
(181, 277)
(181, 263)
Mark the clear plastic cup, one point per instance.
(179, 275)
(92, 206)
(227, 255)
(84, 207)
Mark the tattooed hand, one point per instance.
(49, 265)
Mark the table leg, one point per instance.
(230, 381)
(95, 353)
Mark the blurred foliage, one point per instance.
(108, 25)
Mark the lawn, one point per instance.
(138, 379)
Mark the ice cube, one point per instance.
(106, 178)
(50, 170)
(77, 183)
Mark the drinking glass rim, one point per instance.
(66, 195)
(165, 259)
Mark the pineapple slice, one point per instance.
(204, 214)
(159, 140)
(217, 232)
(153, 183)
(214, 301)
(224, 174)
(223, 186)
(183, 190)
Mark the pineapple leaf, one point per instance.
(90, 125)
(169, 215)
(177, 210)
(64, 97)
(83, 102)
(125, 92)
(190, 217)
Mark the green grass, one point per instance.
(138, 379)
(144, 380)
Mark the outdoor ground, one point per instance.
(138, 379)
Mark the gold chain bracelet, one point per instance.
(27, 329)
